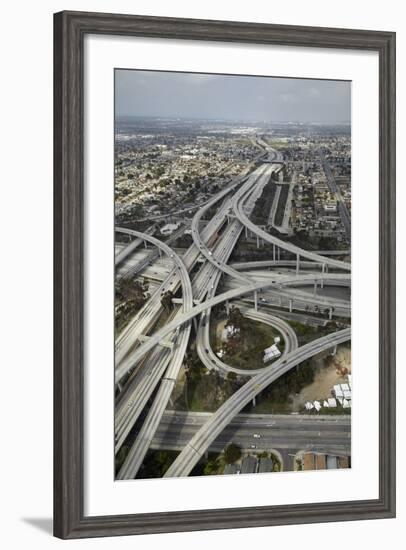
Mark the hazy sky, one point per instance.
(189, 95)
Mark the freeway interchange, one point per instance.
(150, 350)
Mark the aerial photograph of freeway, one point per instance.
(232, 274)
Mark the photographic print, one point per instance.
(232, 274)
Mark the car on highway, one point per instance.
(257, 436)
(253, 446)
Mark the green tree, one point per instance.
(128, 289)
(211, 467)
(166, 301)
(232, 453)
(231, 376)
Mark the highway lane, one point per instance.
(136, 355)
(140, 446)
(143, 441)
(334, 279)
(128, 418)
(187, 294)
(304, 318)
(142, 386)
(150, 313)
(283, 296)
(288, 278)
(205, 352)
(152, 310)
(298, 309)
(212, 361)
(218, 219)
(258, 264)
(160, 366)
(135, 396)
(127, 412)
(124, 360)
(200, 284)
(223, 250)
(129, 248)
(259, 178)
(222, 253)
(203, 345)
(252, 421)
(213, 226)
(264, 431)
(130, 267)
(138, 396)
(202, 440)
(300, 252)
(208, 276)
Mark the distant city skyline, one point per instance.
(229, 97)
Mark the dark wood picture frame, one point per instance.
(69, 31)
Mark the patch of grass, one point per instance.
(203, 390)
(277, 397)
(277, 466)
(156, 463)
(337, 411)
(212, 465)
(247, 350)
(307, 333)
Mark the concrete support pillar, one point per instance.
(195, 324)
(321, 283)
(145, 244)
(274, 253)
(290, 305)
(160, 252)
(297, 264)
(279, 254)
(246, 232)
(323, 267)
(256, 300)
(257, 241)
(326, 268)
(330, 313)
(254, 402)
(334, 350)
(227, 307)
(315, 288)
